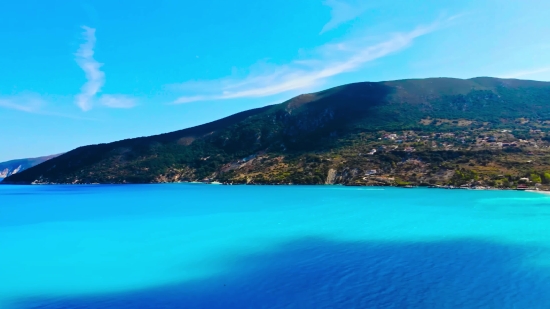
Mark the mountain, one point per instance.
(12, 167)
(484, 131)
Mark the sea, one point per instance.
(215, 246)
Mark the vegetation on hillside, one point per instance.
(481, 131)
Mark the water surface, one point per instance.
(199, 246)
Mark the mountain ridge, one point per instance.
(325, 125)
(11, 167)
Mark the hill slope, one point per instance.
(12, 167)
(438, 130)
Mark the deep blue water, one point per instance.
(199, 246)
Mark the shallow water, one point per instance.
(200, 246)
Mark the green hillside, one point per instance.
(437, 130)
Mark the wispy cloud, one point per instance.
(28, 104)
(95, 77)
(332, 60)
(33, 104)
(87, 97)
(117, 101)
(525, 73)
(342, 11)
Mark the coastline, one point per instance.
(538, 191)
(446, 187)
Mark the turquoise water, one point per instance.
(207, 246)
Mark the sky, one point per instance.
(74, 73)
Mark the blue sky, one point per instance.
(74, 73)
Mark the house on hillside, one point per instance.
(250, 157)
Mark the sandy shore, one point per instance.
(538, 191)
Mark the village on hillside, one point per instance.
(475, 156)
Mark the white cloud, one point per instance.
(343, 11)
(87, 97)
(525, 73)
(332, 60)
(29, 104)
(95, 77)
(117, 101)
(34, 104)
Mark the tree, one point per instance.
(535, 178)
